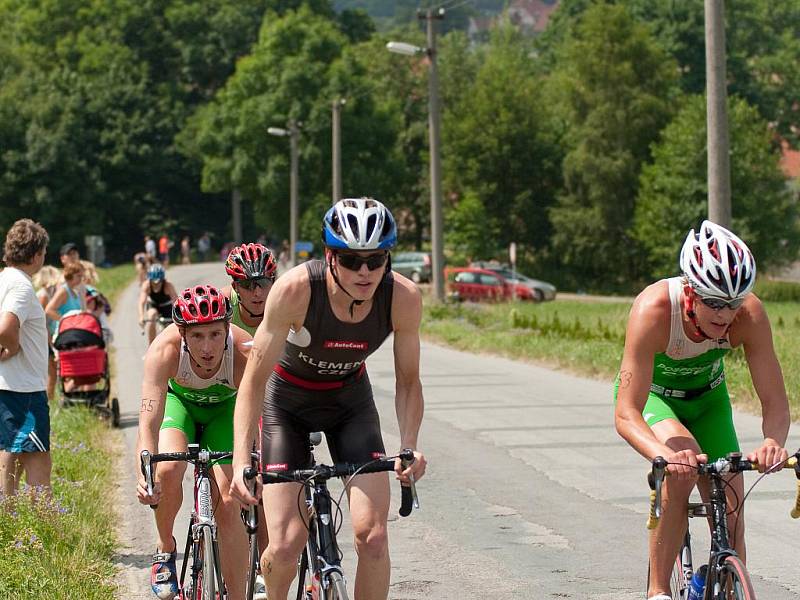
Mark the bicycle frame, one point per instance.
(201, 539)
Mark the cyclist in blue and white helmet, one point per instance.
(354, 232)
(156, 273)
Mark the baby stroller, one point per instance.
(82, 358)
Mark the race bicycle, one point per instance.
(319, 569)
(205, 579)
(727, 577)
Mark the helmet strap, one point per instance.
(355, 302)
(688, 304)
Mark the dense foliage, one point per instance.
(585, 146)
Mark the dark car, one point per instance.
(467, 283)
(541, 289)
(414, 265)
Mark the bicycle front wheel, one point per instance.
(734, 581)
(337, 590)
(207, 582)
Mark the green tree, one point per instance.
(613, 86)
(673, 196)
(294, 72)
(471, 232)
(498, 145)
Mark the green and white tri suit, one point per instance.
(236, 319)
(194, 402)
(689, 385)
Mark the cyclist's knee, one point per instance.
(170, 474)
(284, 549)
(372, 542)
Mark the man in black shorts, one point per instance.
(335, 314)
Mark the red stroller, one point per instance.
(82, 358)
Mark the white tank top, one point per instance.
(680, 347)
(187, 378)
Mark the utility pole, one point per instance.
(294, 135)
(336, 150)
(719, 169)
(437, 246)
(236, 216)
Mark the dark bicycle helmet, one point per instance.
(359, 224)
(201, 304)
(251, 261)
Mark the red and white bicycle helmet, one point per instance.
(717, 263)
(201, 304)
(251, 261)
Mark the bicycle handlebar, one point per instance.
(733, 463)
(326, 472)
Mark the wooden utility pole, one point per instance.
(236, 216)
(719, 169)
(336, 150)
(437, 245)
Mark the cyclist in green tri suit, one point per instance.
(672, 400)
(192, 371)
(252, 268)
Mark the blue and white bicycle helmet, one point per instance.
(156, 273)
(359, 224)
(717, 263)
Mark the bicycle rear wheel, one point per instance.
(734, 581)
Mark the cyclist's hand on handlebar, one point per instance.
(769, 455)
(241, 488)
(416, 469)
(141, 491)
(683, 464)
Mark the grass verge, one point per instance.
(587, 338)
(62, 548)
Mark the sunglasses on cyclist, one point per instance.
(353, 262)
(250, 284)
(719, 303)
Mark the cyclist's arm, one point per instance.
(160, 363)
(286, 307)
(142, 299)
(56, 302)
(644, 338)
(406, 317)
(242, 344)
(170, 289)
(409, 404)
(756, 336)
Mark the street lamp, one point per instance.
(292, 131)
(437, 254)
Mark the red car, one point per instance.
(468, 283)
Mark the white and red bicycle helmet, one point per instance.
(717, 263)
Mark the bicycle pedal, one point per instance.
(697, 509)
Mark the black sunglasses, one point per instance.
(353, 262)
(719, 303)
(249, 284)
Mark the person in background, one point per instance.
(150, 248)
(46, 282)
(141, 262)
(164, 245)
(71, 295)
(204, 246)
(186, 251)
(24, 414)
(90, 276)
(69, 254)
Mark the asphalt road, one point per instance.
(530, 493)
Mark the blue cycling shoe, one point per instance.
(164, 575)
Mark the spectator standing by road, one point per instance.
(164, 244)
(25, 422)
(284, 258)
(69, 254)
(186, 251)
(203, 246)
(46, 282)
(150, 248)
